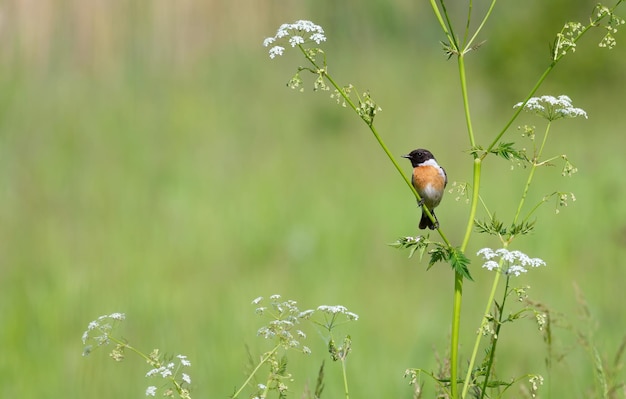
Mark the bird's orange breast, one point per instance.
(429, 183)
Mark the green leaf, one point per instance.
(508, 152)
(454, 256)
(493, 226)
(460, 263)
(438, 254)
(522, 228)
(412, 244)
(494, 384)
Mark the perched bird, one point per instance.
(429, 180)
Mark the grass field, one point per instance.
(175, 180)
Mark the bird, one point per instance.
(429, 180)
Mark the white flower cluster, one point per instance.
(295, 34)
(285, 317)
(338, 309)
(170, 371)
(552, 108)
(99, 330)
(513, 262)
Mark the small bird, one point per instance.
(429, 180)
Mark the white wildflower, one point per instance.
(552, 108)
(318, 38)
(490, 265)
(276, 50)
(295, 40)
(513, 262)
(487, 253)
(151, 391)
(306, 314)
(117, 316)
(184, 361)
(299, 33)
(332, 309)
(516, 269)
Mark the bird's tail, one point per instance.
(426, 222)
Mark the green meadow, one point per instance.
(153, 162)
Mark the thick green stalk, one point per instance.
(466, 110)
(458, 279)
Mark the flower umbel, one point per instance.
(284, 319)
(510, 262)
(169, 370)
(98, 331)
(295, 34)
(552, 108)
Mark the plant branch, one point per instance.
(261, 363)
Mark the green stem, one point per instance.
(463, 81)
(468, 45)
(451, 36)
(470, 7)
(519, 109)
(261, 363)
(496, 335)
(474, 202)
(454, 341)
(492, 295)
(345, 377)
(458, 279)
(435, 8)
(529, 214)
(531, 174)
(125, 345)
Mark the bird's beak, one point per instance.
(406, 156)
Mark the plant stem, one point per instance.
(433, 4)
(454, 341)
(458, 279)
(496, 334)
(458, 285)
(531, 174)
(468, 45)
(125, 345)
(492, 295)
(345, 377)
(261, 363)
(519, 109)
(463, 81)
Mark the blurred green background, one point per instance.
(153, 162)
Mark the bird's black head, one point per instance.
(418, 156)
